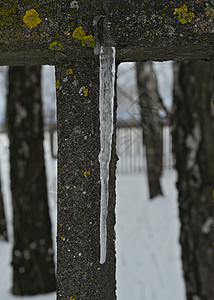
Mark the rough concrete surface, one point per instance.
(66, 34)
(140, 30)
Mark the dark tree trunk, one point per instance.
(152, 129)
(3, 226)
(193, 141)
(32, 261)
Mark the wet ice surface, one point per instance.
(106, 105)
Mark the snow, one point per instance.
(106, 106)
(147, 232)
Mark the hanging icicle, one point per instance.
(106, 104)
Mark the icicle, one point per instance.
(106, 102)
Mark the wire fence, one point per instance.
(132, 153)
(130, 148)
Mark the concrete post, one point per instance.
(80, 274)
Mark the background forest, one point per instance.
(150, 264)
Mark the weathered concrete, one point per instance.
(149, 30)
(63, 33)
(80, 275)
(140, 30)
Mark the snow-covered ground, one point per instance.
(148, 253)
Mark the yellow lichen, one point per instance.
(79, 33)
(183, 14)
(67, 33)
(58, 84)
(87, 40)
(83, 91)
(31, 18)
(55, 46)
(69, 71)
(86, 173)
(209, 12)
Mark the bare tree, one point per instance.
(193, 141)
(149, 100)
(33, 266)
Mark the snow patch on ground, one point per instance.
(147, 233)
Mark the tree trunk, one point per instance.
(152, 129)
(3, 226)
(193, 142)
(32, 261)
